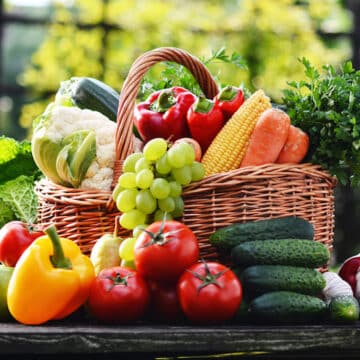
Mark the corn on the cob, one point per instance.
(228, 147)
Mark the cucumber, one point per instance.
(287, 307)
(290, 227)
(343, 309)
(92, 94)
(259, 279)
(293, 252)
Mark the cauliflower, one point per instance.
(75, 147)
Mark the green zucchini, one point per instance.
(259, 279)
(289, 227)
(92, 94)
(343, 309)
(287, 307)
(293, 252)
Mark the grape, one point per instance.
(179, 207)
(160, 188)
(182, 175)
(126, 249)
(127, 180)
(145, 202)
(128, 264)
(138, 230)
(131, 219)
(175, 156)
(188, 152)
(155, 149)
(167, 204)
(130, 161)
(162, 165)
(159, 215)
(141, 164)
(126, 200)
(116, 191)
(197, 171)
(175, 189)
(144, 178)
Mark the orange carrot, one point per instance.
(268, 138)
(295, 148)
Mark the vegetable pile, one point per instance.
(156, 274)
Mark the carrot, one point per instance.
(295, 148)
(268, 138)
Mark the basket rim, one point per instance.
(244, 174)
(230, 178)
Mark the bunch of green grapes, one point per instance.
(152, 181)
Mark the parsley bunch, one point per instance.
(327, 106)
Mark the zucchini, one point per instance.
(259, 279)
(343, 309)
(92, 94)
(293, 252)
(287, 307)
(289, 227)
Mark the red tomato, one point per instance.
(118, 295)
(15, 237)
(165, 250)
(165, 305)
(209, 293)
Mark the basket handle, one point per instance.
(124, 132)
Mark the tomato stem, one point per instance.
(208, 278)
(118, 279)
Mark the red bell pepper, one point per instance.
(205, 119)
(163, 114)
(229, 99)
(350, 272)
(15, 237)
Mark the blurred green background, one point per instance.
(44, 42)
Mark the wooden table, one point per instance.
(94, 341)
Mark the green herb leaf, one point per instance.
(178, 75)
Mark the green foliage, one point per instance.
(15, 159)
(175, 74)
(18, 196)
(327, 106)
(18, 173)
(269, 36)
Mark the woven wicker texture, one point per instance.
(254, 193)
(241, 195)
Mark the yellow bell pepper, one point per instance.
(50, 281)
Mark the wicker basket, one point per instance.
(250, 193)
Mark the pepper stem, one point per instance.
(203, 105)
(228, 93)
(58, 259)
(164, 102)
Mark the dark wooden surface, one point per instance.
(93, 341)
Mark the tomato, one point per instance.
(209, 293)
(165, 250)
(15, 237)
(118, 295)
(165, 305)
